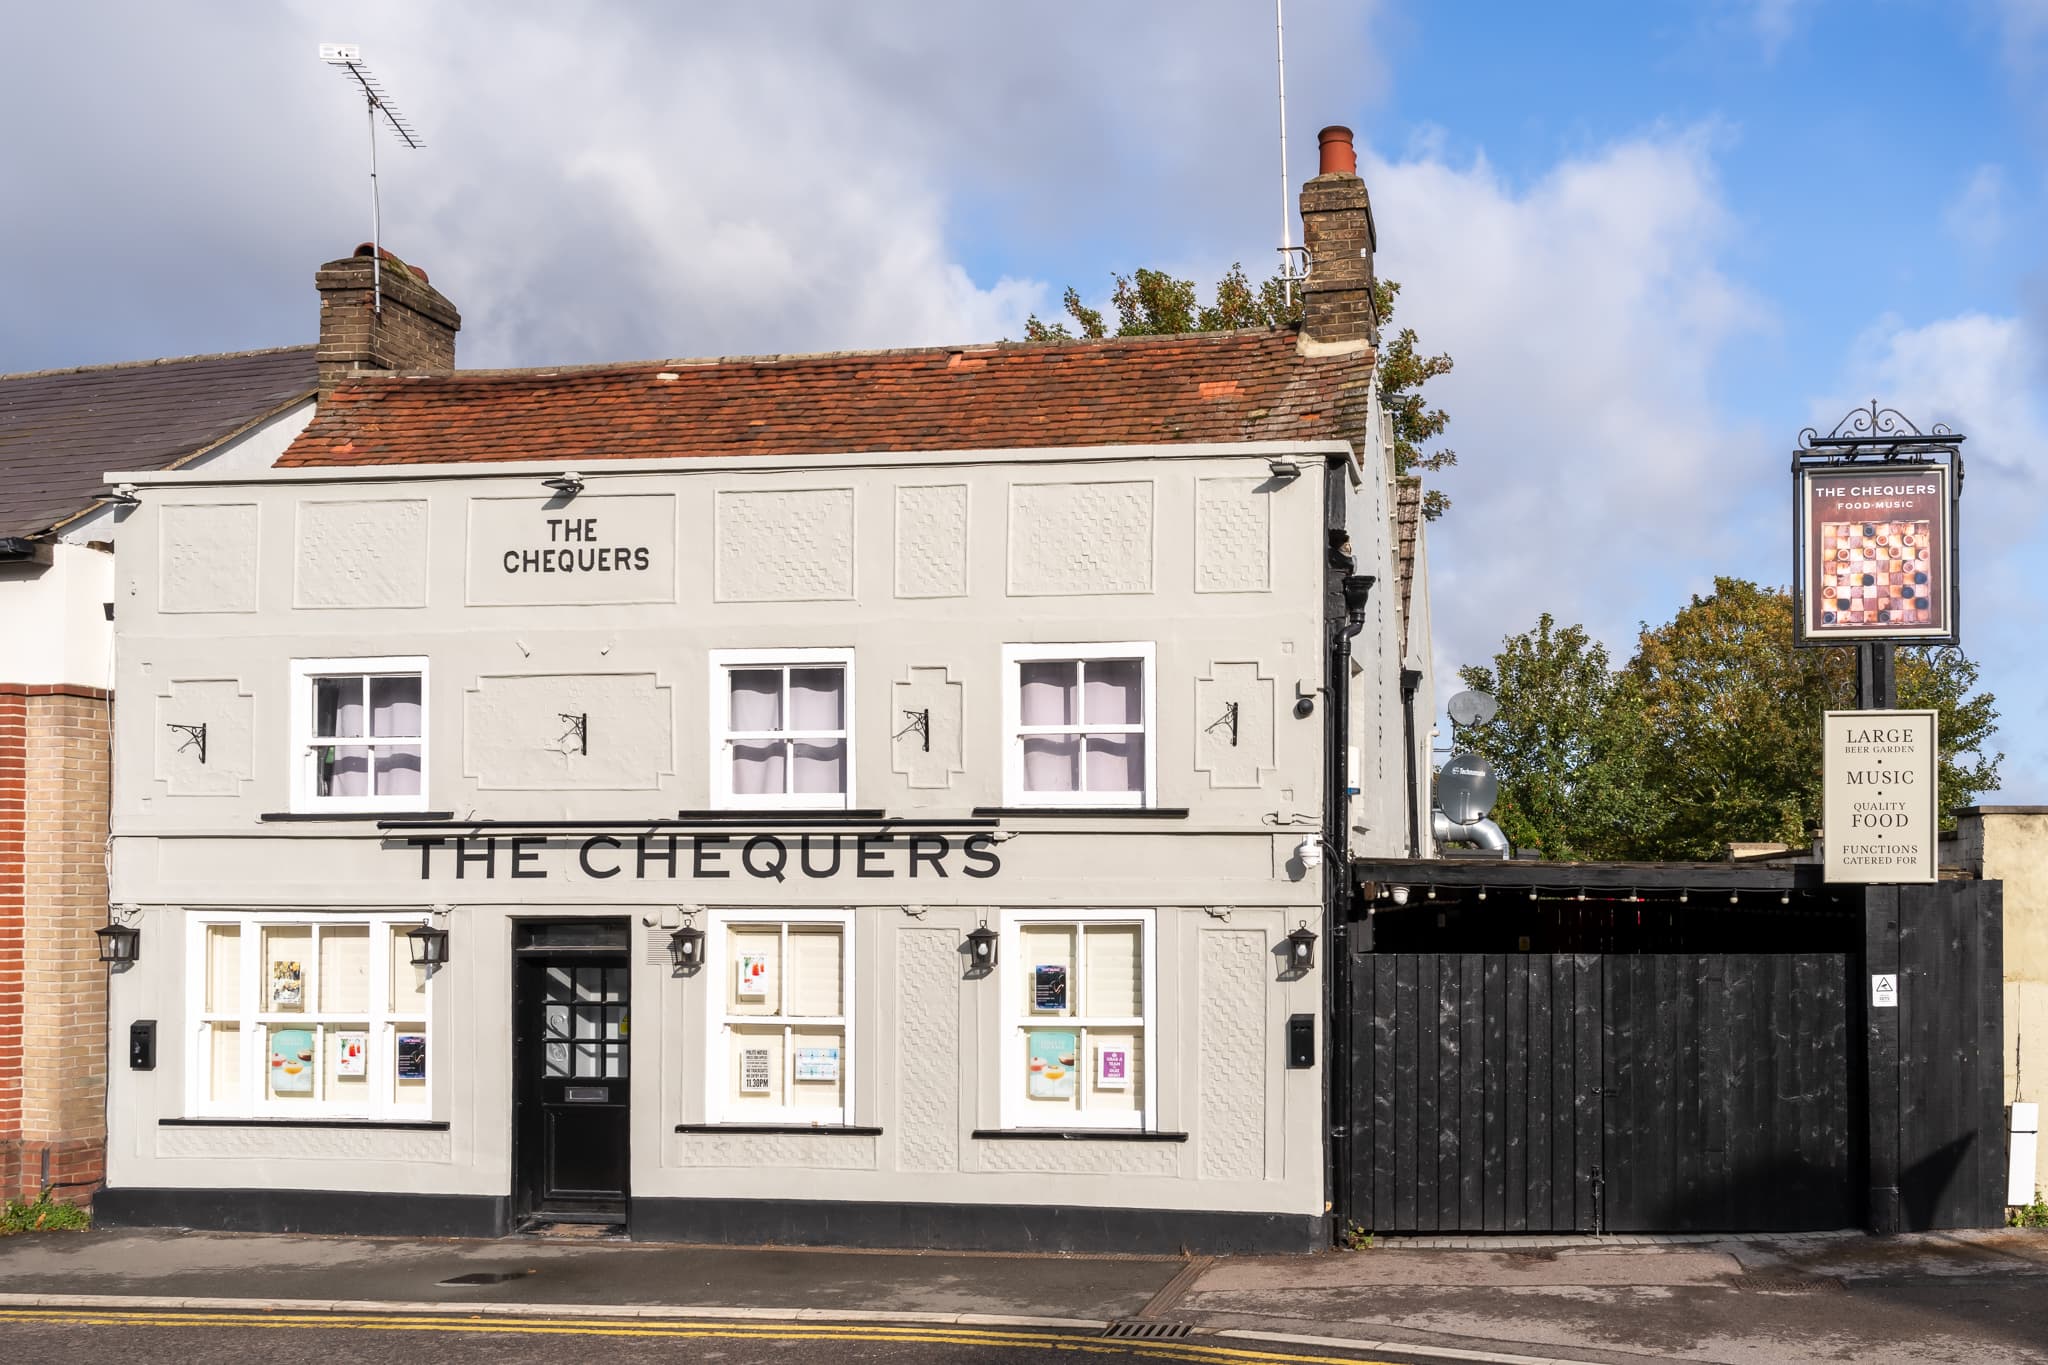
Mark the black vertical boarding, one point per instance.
(1881, 1049)
(1471, 1092)
(1517, 1064)
(1448, 1096)
(1564, 1094)
(1386, 1114)
(1537, 1073)
(1587, 1081)
(1403, 1085)
(1493, 1169)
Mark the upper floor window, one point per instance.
(360, 730)
(1079, 721)
(781, 729)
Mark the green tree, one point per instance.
(1154, 303)
(1710, 735)
(1569, 744)
(1734, 711)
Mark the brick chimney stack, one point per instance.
(415, 331)
(1336, 224)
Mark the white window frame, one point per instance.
(1014, 1112)
(724, 662)
(718, 1024)
(253, 1099)
(303, 799)
(1015, 732)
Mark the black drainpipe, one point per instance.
(1344, 594)
(1411, 682)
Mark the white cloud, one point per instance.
(1585, 313)
(1977, 217)
(1775, 22)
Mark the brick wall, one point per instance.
(416, 330)
(1337, 227)
(54, 783)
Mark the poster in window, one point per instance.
(1112, 1068)
(1049, 1064)
(291, 1061)
(351, 1053)
(287, 985)
(1049, 988)
(753, 976)
(754, 1071)
(412, 1056)
(817, 1064)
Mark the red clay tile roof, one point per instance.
(61, 430)
(1220, 386)
(1407, 530)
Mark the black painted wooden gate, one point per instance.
(1666, 1092)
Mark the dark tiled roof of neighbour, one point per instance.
(1407, 532)
(1220, 386)
(62, 430)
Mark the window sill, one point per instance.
(1091, 812)
(825, 1129)
(300, 816)
(1076, 1135)
(402, 1125)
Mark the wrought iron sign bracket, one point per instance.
(195, 737)
(1229, 719)
(579, 730)
(920, 724)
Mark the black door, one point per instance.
(570, 1023)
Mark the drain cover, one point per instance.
(487, 1277)
(1150, 1331)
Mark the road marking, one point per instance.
(613, 1327)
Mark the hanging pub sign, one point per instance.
(1879, 820)
(1875, 552)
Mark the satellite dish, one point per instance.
(1466, 787)
(1473, 708)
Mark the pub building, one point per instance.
(894, 798)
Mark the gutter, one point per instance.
(26, 549)
(1411, 683)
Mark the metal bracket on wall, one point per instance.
(195, 737)
(920, 725)
(579, 729)
(1229, 718)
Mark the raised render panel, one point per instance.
(1234, 725)
(928, 1078)
(224, 716)
(1233, 536)
(363, 553)
(207, 557)
(265, 1142)
(827, 1151)
(1234, 969)
(931, 540)
(927, 722)
(785, 545)
(582, 551)
(1058, 1157)
(1080, 538)
(568, 731)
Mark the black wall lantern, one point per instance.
(981, 947)
(686, 947)
(429, 945)
(1301, 948)
(119, 943)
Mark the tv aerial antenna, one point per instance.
(349, 58)
(1287, 247)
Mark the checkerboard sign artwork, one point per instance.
(1876, 557)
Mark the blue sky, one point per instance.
(1658, 239)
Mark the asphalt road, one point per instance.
(207, 1338)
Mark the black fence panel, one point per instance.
(1951, 1097)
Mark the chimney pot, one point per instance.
(1339, 156)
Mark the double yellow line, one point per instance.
(677, 1329)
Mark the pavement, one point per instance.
(1963, 1296)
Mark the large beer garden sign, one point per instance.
(1874, 539)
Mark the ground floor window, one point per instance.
(307, 1016)
(781, 1017)
(1077, 1040)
